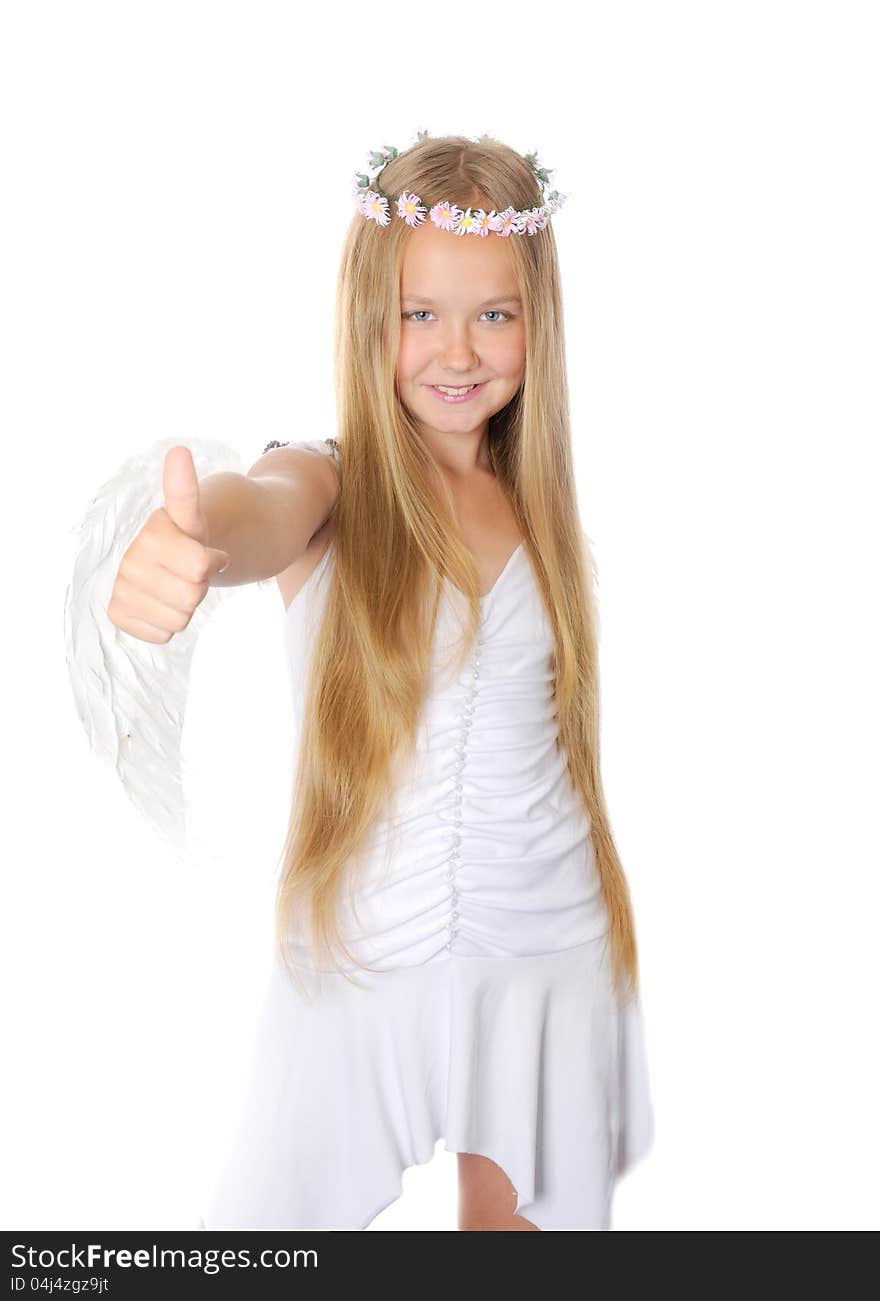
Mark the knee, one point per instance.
(495, 1224)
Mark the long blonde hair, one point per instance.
(396, 538)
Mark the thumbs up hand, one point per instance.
(166, 571)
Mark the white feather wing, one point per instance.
(131, 694)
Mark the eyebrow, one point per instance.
(508, 298)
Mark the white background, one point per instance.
(176, 185)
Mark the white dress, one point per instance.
(491, 1021)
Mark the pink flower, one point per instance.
(411, 209)
(482, 221)
(376, 206)
(445, 215)
(530, 221)
(506, 222)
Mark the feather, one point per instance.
(131, 694)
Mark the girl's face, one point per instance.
(461, 323)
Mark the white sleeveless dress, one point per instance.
(491, 1021)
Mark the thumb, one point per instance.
(180, 490)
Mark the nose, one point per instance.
(457, 352)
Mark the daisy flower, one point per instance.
(375, 206)
(482, 221)
(506, 222)
(445, 215)
(467, 223)
(531, 217)
(410, 208)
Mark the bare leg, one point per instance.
(486, 1197)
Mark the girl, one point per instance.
(456, 954)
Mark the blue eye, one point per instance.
(408, 316)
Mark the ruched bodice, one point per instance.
(485, 850)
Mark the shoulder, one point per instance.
(323, 446)
(281, 458)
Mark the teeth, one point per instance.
(454, 392)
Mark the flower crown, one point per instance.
(373, 204)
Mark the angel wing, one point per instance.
(131, 694)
